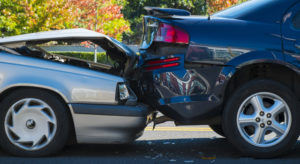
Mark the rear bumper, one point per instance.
(190, 110)
(96, 123)
(197, 109)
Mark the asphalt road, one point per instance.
(167, 144)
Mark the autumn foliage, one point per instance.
(217, 5)
(25, 16)
(103, 16)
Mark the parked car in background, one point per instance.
(236, 70)
(49, 99)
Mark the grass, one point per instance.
(101, 56)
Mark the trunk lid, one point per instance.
(116, 50)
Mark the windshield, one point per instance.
(243, 9)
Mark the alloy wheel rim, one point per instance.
(264, 119)
(30, 124)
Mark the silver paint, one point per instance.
(61, 34)
(269, 134)
(74, 85)
(55, 34)
(107, 129)
(34, 125)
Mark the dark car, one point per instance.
(237, 71)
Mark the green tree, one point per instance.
(100, 15)
(25, 16)
(134, 11)
(217, 5)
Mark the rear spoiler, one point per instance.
(156, 11)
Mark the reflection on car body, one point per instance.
(187, 85)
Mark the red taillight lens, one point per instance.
(152, 62)
(150, 68)
(162, 63)
(171, 34)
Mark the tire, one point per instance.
(218, 129)
(32, 112)
(243, 119)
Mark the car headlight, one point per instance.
(123, 92)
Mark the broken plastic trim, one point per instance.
(160, 120)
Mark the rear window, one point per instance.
(296, 21)
(80, 49)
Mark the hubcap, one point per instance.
(264, 119)
(30, 124)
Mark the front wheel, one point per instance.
(261, 119)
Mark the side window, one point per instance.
(296, 21)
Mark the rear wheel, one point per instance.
(33, 123)
(261, 119)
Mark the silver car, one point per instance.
(49, 98)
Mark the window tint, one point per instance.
(296, 20)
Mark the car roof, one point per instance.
(78, 33)
(258, 10)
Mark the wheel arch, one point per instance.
(264, 70)
(11, 88)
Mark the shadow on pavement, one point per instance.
(192, 148)
(198, 150)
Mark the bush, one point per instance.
(101, 56)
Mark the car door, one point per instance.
(291, 31)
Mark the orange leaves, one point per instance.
(100, 15)
(217, 5)
(25, 16)
(87, 44)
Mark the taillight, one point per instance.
(171, 34)
(152, 62)
(162, 63)
(123, 92)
